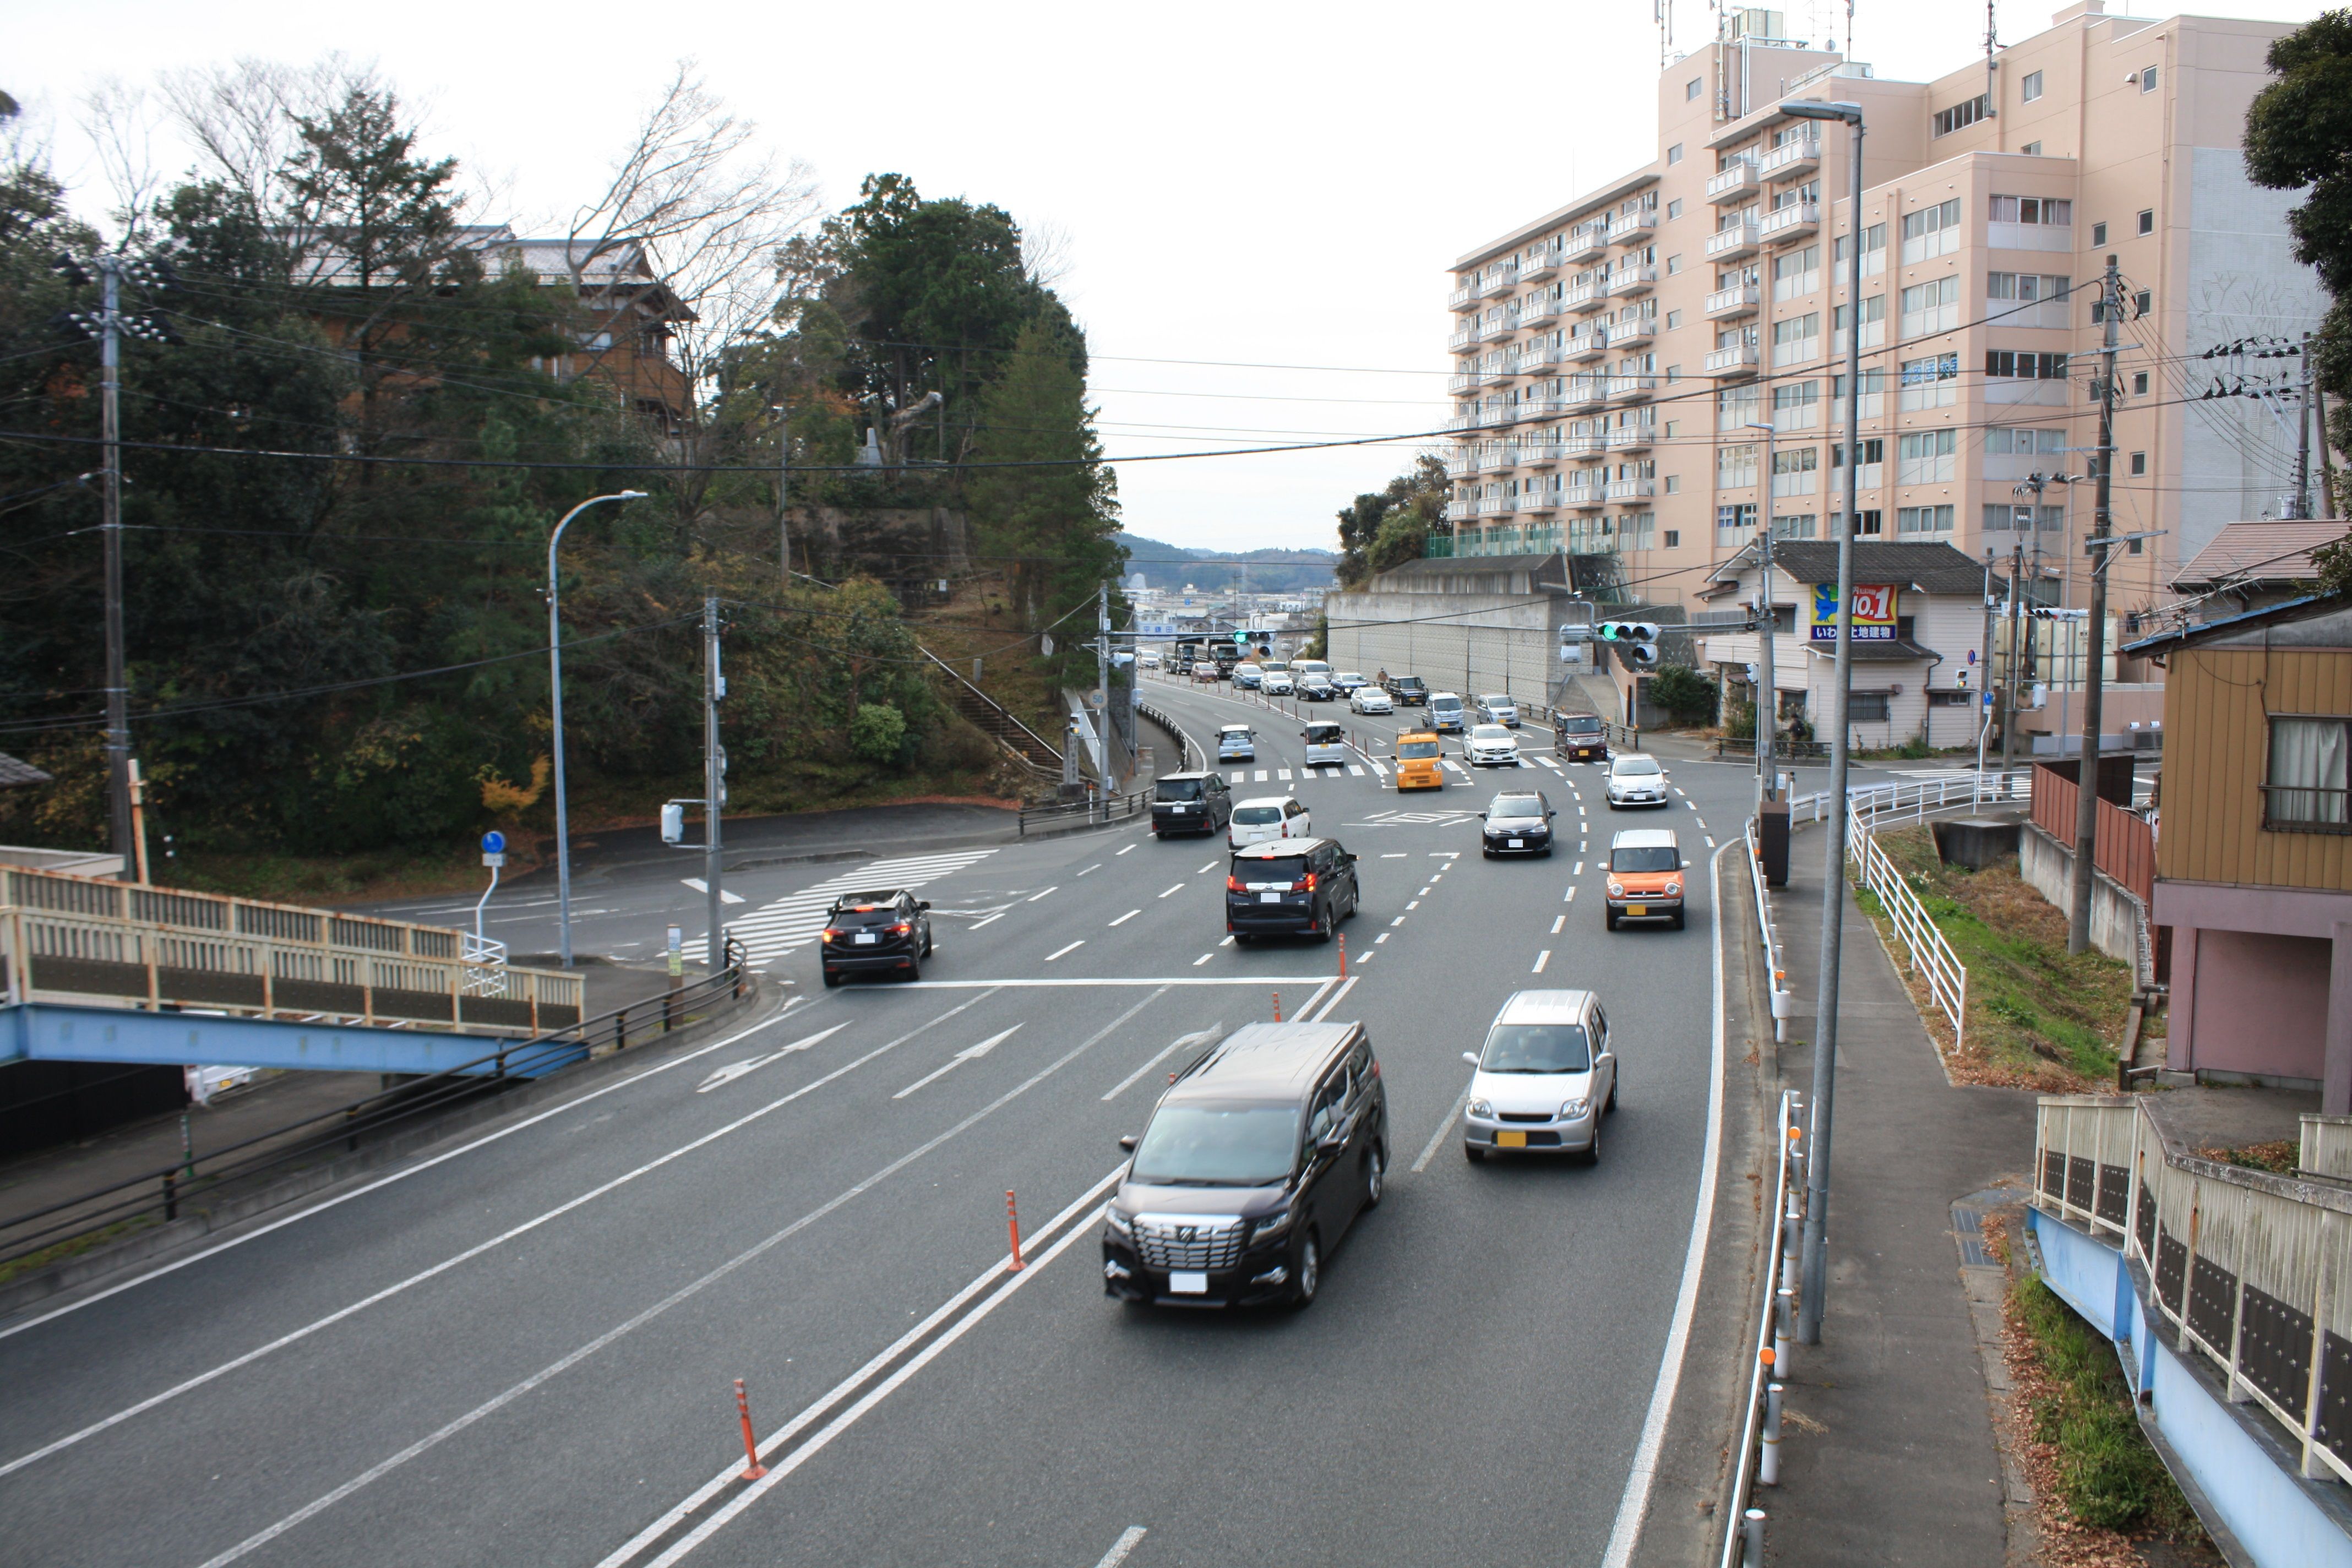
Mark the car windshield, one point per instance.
(865, 916)
(1417, 748)
(1446, 704)
(1218, 1146)
(1581, 723)
(1256, 815)
(1322, 734)
(1180, 789)
(1493, 702)
(1646, 858)
(1642, 766)
(1515, 808)
(1538, 1047)
(1491, 732)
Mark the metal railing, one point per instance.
(78, 940)
(1098, 808)
(1917, 798)
(161, 1194)
(1927, 953)
(1759, 1429)
(1191, 756)
(2253, 1270)
(1775, 965)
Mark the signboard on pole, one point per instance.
(1874, 613)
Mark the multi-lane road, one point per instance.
(524, 1349)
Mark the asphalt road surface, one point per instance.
(524, 1349)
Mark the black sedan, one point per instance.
(885, 931)
(1517, 822)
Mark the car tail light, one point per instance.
(1306, 883)
(827, 934)
(902, 928)
(1233, 885)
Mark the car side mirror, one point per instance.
(1482, 816)
(923, 903)
(1333, 1141)
(1127, 1141)
(1470, 1056)
(1686, 864)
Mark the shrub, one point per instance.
(878, 732)
(1686, 694)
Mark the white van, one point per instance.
(1326, 745)
(1268, 816)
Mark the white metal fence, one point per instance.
(1758, 1461)
(1925, 952)
(2252, 1270)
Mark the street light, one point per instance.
(1768, 694)
(555, 687)
(1815, 1280)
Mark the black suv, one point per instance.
(1409, 691)
(1303, 885)
(1252, 1168)
(1580, 736)
(1189, 803)
(890, 929)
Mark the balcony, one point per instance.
(1582, 448)
(1738, 182)
(1466, 336)
(1590, 343)
(1537, 358)
(1583, 392)
(1632, 490)
(1792, 222)
(1587, 240)
(1790, 159)
(1509, 414)
(1542, 265)
(1730, 304)
(1636, 437)
(1584, 497)
(1730, 244)
(1634, 227)
(1737, 360)
(1465, 380)
(1463, 298)
(1538, 308)
(1632, 388)
(1583, 297)
(1632, 332)
(1628, 280)
(1497, 282)
(1538, 452)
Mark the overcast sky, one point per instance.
(1259, 202)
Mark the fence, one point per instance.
(2250, 1270)
(1927, 953)
(1097, 808)
(2125, 847)
(161, 1194)
(1916, 797)
(74, 940)
(1759, 1430)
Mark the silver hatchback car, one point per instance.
(1545, 1078)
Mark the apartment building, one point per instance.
(1619, 359)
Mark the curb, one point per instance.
(41, 1285)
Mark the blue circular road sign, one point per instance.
(494, 843)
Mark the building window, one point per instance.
(1931, 231)
(1740, 519)
(1693, 87)
(1872, 398)
(2032, 149)
(2139, 465)
(1673, 209)
(2049, 210)
(2098, 234)
(1797, 406)
(2023, 519)
(1797, 274)
(1797, 338)
(1874, 250)
(1931, 382)
(1931, 307)
(2148, 220)
(2023, 441)
(1925, 457)
(1675, 153)
(2139, 383)
(2148, 79)
(1874, 324)
(1872, 449)
(1792, 528)
(1796, 472)
(1866, 707)
(1920, 521)
(1674, 538)
(1673, 484)
(1734, 467)
(2022, 366)
(1674, 320)
(1967, 112)
(2306, 787)
(2031, 86)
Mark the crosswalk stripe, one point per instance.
(786, 924)
(1355, 771)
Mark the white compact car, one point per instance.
(1544, 1079)
(1277, 683)
(1326, 744)
(1635, 779)
(1496, 708)
(1370, 700)
(1491, 746)
(1236, 743)
(1268, 816)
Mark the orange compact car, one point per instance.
(1645, 877)
(1418, 765)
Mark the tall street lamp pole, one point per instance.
(1815, 1259)
(1768, 694)
(555, 688)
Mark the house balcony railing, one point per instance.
(1637, 388)
(1739, 359)
(1800, 156)
(1585, 296)
(1538, 452)
(1628, 280)
(1535, 268)
(1792, 222)
(1739, 300)
(1466, 336)
(1584, 497)
(1463, 298)
(1733, 183)
(1465, 380)
(1537, 358)
(1632, 333)
(1582, 448)
(1586, 241)
(1730, 244)
(1589, 344)
(1635, 227)
(1582, 392)
(1629, 489)
(1498, 280)
(1636, 437)
(1538, 308)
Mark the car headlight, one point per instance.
(1119, 1225)
(1480, 1107)
(1272, 1225)
(1616, 889)
(1571, 1109)
(1674, 889)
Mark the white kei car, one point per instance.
(1268, 816)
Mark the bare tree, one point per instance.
(243, 119)
(121, 123)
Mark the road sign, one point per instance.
(494, 842)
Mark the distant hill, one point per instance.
(1166, 565)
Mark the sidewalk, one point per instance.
(1889, 1457)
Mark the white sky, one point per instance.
(1263, 184)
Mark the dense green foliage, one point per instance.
(1689, 697)
(329, 656)
(2108, 1475)
(1390, 526)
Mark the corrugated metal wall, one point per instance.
(2216, 706)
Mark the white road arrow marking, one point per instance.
(969, 1053)
(734, 1070)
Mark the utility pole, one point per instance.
(783, 476)
(2086, 793)
(714, 779)
(2302, 439)
(2009, 701)
(1767, 698)
(1102, 682)
(1982, 695)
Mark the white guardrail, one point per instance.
(1759, 1430)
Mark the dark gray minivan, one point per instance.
(1255, 1163)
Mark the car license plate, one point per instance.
(1519, 844)
(1187, 1284)
(864, 939)
(1510, 1140)
(1637, 909)
(1269, 898)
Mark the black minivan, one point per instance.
(1189, 803)
(1255, 1163)
(1301, 886)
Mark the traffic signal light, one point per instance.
(1636, 641)
(672, 822)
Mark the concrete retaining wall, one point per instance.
(2117, 917)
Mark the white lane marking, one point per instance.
(1543, 958)
(1312, 1016)
(1060, 951)
(1261, 776)
(1424, 892)
(1626, 1533)
(1197, 1038)
(1412, 903)
(294, 1336)
(1210, 867)
(1692, 804)
(1443, 1128)
(1381, 938)
(734, 1070)
(697, 883)
(1394, 854)
(771, 930)
(1550, 763)
(1203, 959)
(989, 921)
(1579, 870)
(1710, 839)
(1558, 921)
(1126, 917)
(1701, 823)
(1034, 896)
(1355, 771)
(401, 1176)
(1398, 921)
(1122, 1546)
(1092, 869)
(1123, 851)
(1378, 768)
(1177, 889)
(969, 1053)
(1571, 895)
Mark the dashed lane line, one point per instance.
(1126, 917)
(1057, 953)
